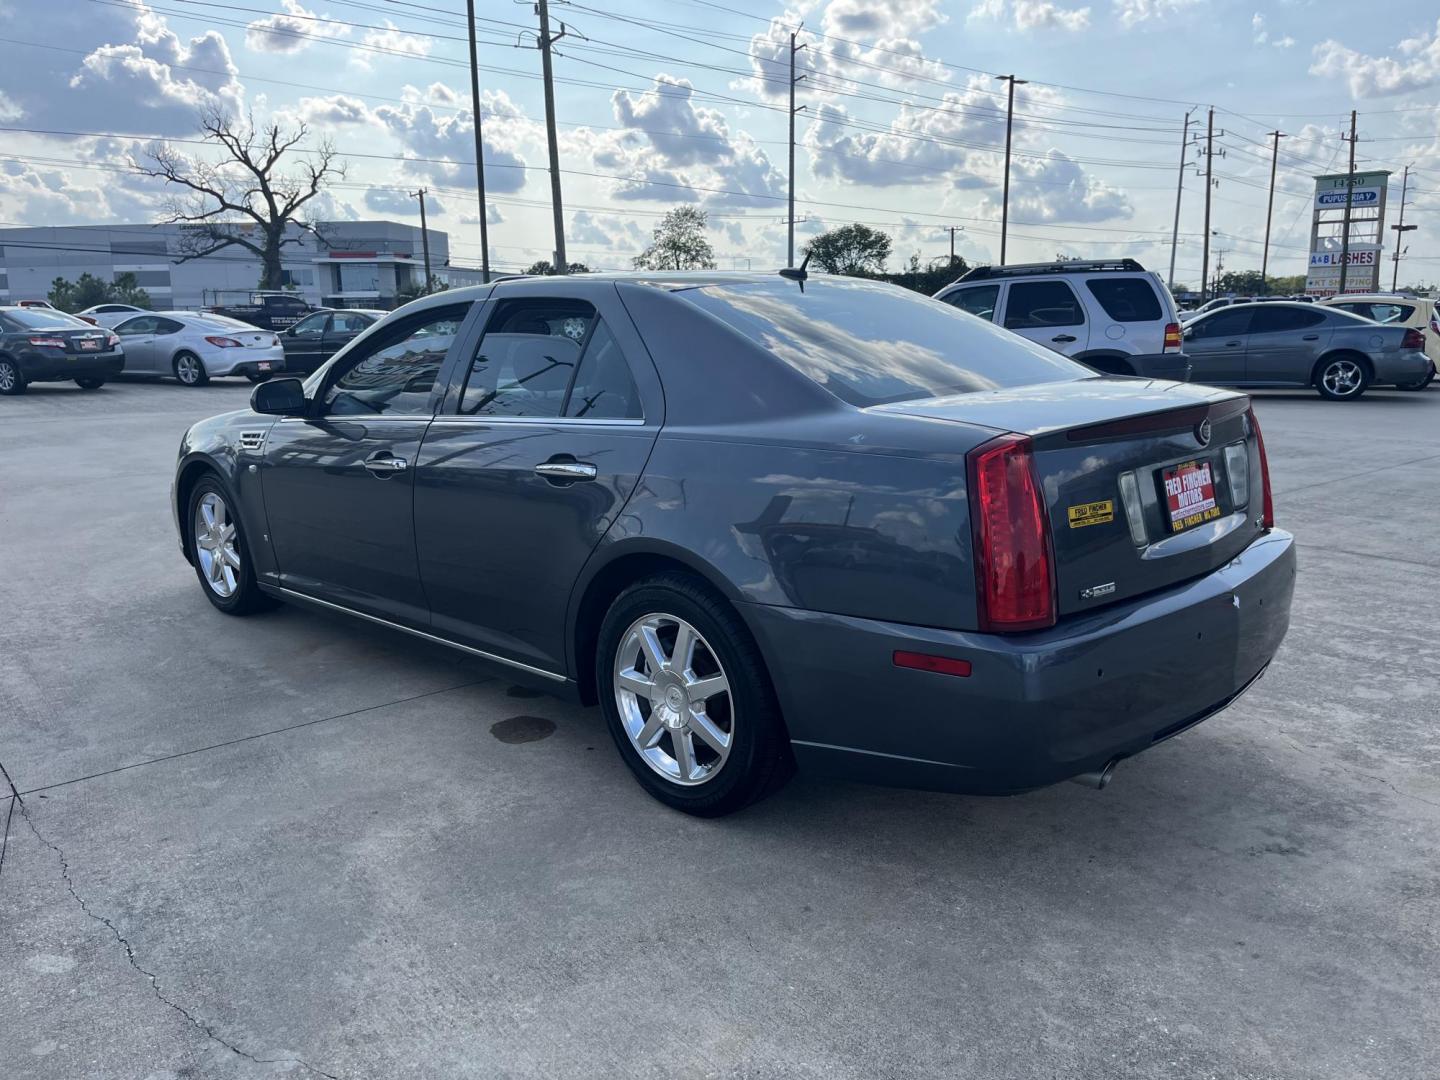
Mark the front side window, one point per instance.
(527, 358)
(1222, 324)
(1035, 305)
(1125, 299)
(979, 300)
(395, 376)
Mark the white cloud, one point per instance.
(1057, 189)
(678, 132)
(1032, 14)
(1417, 67)
(400, 203)
(292, 30)
(1261, 34)
(391, 41)
(1132, 12)
(449, 139)
(333, 111)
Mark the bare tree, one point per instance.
(252, 197)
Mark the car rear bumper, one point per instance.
(1037, 708)
(222, 365)
(44, 367)
(1401, 367)
(1173, 366)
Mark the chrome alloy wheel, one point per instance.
(215, 545)
(187, 369)
(674, 699)
(1342, 377)
(9, 377)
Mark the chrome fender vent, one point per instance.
(250, 442)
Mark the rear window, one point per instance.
(39, 318)
(871, 344)
(1126, 299)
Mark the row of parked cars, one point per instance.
(41, 344)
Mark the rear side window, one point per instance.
(1272, 319)
(979, 300)
(1034, 305)
(869, 344)
(1126, 299)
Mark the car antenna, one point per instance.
(797, 273)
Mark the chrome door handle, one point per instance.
(566, 470)
(387, 464)
(1311, 337)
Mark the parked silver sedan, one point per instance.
(1288, 344)
(196, 346)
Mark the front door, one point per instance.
(137, 338)
(339, 483)
(303, 343)
(1048, 313)
(1285, 344)
(343, 328)
(1215, 345)
(544, 433)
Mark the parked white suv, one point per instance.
(1111, 314)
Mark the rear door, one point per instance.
(303, 343)
(1048, 313)
(1285, 343)
(342, 328)
(547, 424)
(1216, 344)
(137, 338)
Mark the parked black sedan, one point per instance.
(319, 336)
(762, 522)
(40, 344)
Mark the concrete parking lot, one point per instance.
(294, 845)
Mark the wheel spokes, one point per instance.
(712, 736)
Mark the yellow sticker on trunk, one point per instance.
(1096, 513)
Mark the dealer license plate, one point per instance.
(89, 343)
(1190, 495)
(263, 365)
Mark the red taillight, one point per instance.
(111, 340)
(225, 342)
(941, 665)
(1014, 565)
(1172, 336)
(48, 342)
(1267, 512)
(1413, 339)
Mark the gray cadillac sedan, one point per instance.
(765, 522)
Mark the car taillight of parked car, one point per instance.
(1267, 504)
(1014, 560)
(1413, 339)
(111, 340)
(225, 342)
(48, 342)
(1172, 337)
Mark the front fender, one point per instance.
(230, 447)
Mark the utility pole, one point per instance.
(1209, 185)
(953, 229)
(562, 265)
(1220, 254)
(479, 143)
(1349, 197)
(1179, 190)
(1277, 135)
(1009, 127)
(794, 81)
(424, 236)
(1401, 229)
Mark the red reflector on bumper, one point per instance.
(941, 665)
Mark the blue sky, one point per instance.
(669, 101)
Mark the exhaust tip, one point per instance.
(1098, 778)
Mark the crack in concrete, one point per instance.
(194, 1020)
(1310, 752)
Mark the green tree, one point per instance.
(88, 290)
(414, 290)
(127, 290)
(928, 278)
(1239, 282)
(679, 243)
(254, 198)
(542, 266)
(857, 250)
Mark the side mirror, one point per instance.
(280, 397)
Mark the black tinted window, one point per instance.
(1130, 299)
(170, 326)
(1273, 319)
(604, 389)
(526, 358)
(869, 343)
(1223, 323)
(1033, 305)
(979, 300)
(395, 375)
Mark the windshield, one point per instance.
(870, 344)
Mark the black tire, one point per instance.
(246, 596)
(1342, 377)
(190, 369)
(89, 382)
(1422, 384)
(12, 379)
(759, 759)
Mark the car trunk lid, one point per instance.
(1146, 484)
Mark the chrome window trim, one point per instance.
(546, 421)
(421, 634)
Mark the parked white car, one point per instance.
(1397, 309)
(109, 315)
(195, 347)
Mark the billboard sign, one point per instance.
(1335, 200)
(1360, 255)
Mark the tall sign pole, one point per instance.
(562, 265)
(1277, 135)
(1179, 190)
(1009, 127)
(794, 81)
(1349, 198)
(479, 144)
